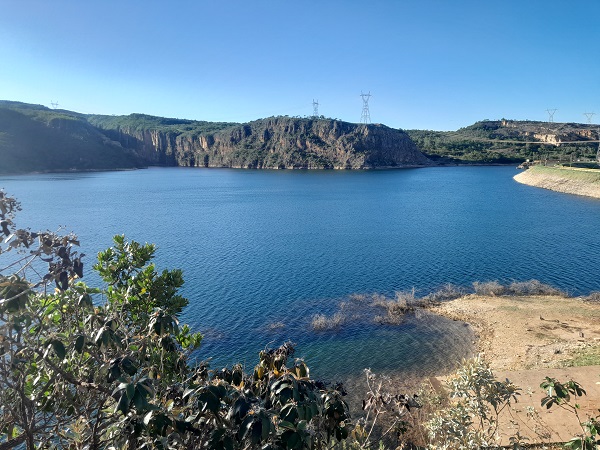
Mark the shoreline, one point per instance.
(529, 332)
(525, 339)
(584, 182)
(292, 169)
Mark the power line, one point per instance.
(551, 115)
(54, 104)
(315, 108)
(589, 116)
(365, 116)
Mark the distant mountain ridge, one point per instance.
(36, 138)
(508, 141)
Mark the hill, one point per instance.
(34, 138)
(508, 141)
(272, 143)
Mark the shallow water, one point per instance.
(276, 247)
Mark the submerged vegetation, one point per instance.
(382, 310)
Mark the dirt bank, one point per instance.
(570, 181)
(526, 339)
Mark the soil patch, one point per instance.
(526, 339)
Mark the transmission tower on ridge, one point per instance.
(365, 116)
(315, 108)
(54, 104)
(589, 116)
(551, 115)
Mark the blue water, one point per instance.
(260, 248)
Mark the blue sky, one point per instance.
(428, 64)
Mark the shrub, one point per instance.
(110, 368)
(471, 420)
(532, 287)
(448, 292)
(593, 297)
(490, 288)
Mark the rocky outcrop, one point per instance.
(276, 143)
(549, 133)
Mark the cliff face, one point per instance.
(550, 133)
(276, 143)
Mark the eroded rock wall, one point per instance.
(278, 142)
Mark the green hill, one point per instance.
(34, 138)
(508, 141)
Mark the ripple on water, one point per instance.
(279, 246)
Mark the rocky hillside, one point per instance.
(509, 141)
(274, 143)
(37, 139)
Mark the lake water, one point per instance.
(264, 251)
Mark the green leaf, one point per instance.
(59, 348)
(139, 400)
(123, 404)
(266, 428)
(208, 401)
(130, 390)
(287, 425)
(79, 343)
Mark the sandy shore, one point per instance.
(529, 332)
(528, 338)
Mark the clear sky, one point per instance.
(429, 64)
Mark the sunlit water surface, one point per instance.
(264, 251)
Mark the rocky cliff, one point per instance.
(35, 138)
(275, 143)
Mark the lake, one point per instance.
(264, 251)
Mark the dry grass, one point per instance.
(593, 297)
(532, 287)
(395, 308)
(492, 288)
(448, 292)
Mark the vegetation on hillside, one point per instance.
(142, 122)
(34, 138)
(54, 140)
(503, 142)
